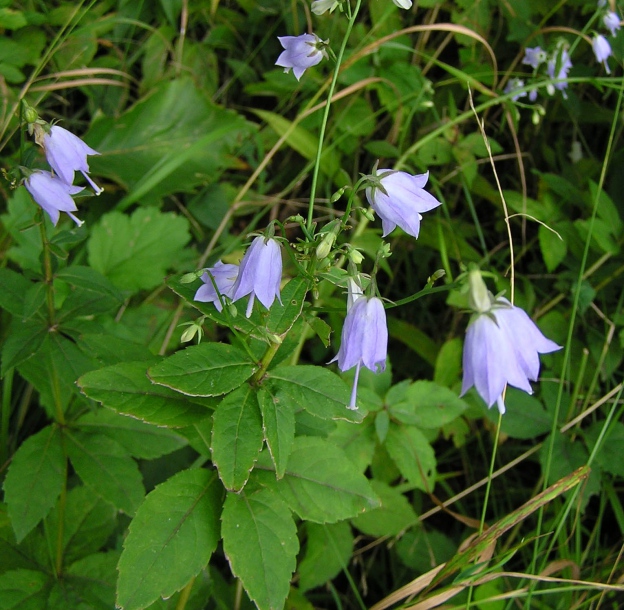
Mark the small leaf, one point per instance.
(171, 538)
(321, 484)
(413, 455)
(208, 369)
(34, 480)
(328, 551)
(278, 424)
(126, 388)
(236, 437)
(105, 467)
(260, 541)
(24, 590)
(315, 389)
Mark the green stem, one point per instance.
(264, 363)
(332, 87)
(47, 268)
(60, 534)
(185, 594)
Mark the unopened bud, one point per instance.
(355, 256)
(30, 114)
(479, 296)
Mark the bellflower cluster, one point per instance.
(502, 346)
(400, 199)
(562, 64)
(364, 339)
(300, 53)
(259, 275)
(66, 154)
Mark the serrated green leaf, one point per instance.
(315, 389)
(208, 369)
(93, 578)
(171, 538)
(283, 316)
(393, 516)
(427, 405)
(23, 341)
(328, 551)
(13, 289)
(278, 424)
(134, 252)
(125, 388)
(105, 467)
(413, 455)
(236, 437)
(260, 541)
(609, 456)
(24, 590)
(321, 328)
(139, 439)
(320, 484)
(34, 480)
(91, 293)
(88, 523)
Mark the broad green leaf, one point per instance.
(171, 538)
(305, 143)
(108, 349)
(283, 316)
(105, 466)
(24, 590)
(93, 578)
(393, 516)
(139, 439)
(357, 441)
(327, 552)
(23, 341)
(236, 437)
(315, 389)
(125, 388)
(34, 480)
(134, 252)
(448, 363)
(88, 523)
(413, 455)
(171, 141)
(207, 369)
(427, 405)
(90, 294)
(525, 416)
(552, 246)
(278, 424)
(320, 483)
(260, 541)
(13, 289)
(423, 549)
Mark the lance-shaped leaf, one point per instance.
(237, 437)
(315, 389)
(260, 541)
(320, 483)
(107, 468)
(278, 424)
(126, 388)
(171, 538)
(34, 480)
(208, 369)
(413, 455)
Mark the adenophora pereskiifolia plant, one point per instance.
(502, 345)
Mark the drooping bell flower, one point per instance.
(564, 65)
(300, 53)
(224, 277)
(502, 346)
(612, 22)
(364, 339)
(260, 273)
(403, 202)
(53, 195)
(602, 50)
(322, 6)
(66, 154)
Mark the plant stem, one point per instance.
(264, 363)
(332, 87)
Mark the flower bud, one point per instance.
(479, 296)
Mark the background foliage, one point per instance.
(141, 472)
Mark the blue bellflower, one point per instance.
(612, 22)
(66, 154)
(513, 85)
(502, 346)
(300, 53)
(404, 202)
(53, 195)
(260, 273)
(565, 65)
(364, 339)
(602, 50)
(534, 56)
(224, 276)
